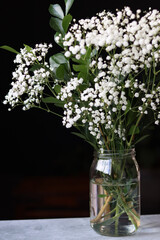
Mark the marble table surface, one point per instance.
(71, 229)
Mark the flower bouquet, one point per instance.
(106, 80)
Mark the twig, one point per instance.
(102, 210)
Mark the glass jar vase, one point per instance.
(115, 193)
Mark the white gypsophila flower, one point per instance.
(67, 54)
(28, 85)
(111, 80)
(131, 44)
(157, 122)
(139, 37)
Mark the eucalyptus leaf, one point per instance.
(59, 58)
(10, 49)
(60, 72)
(56, 24)
(56, 60)
(53, 64)
(56, 11)
(66, 21)
(57, 89)
(60, 66)
(68, 4)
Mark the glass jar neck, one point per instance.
(116, 154)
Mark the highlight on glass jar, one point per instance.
(115, 193)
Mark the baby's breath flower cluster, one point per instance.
(137, 38)
(125, 53)
(28, 84)
(106, 79)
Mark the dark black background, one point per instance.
(34, 143)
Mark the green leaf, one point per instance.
(83, 75)
(134, 130)
(85, 134)
(83, 71)
(10, 49)
(57, 89)
(49, 100)
(142, 138)
(59, 58)
(60, 104)
(68, 4)
(79, 135)
(56, 24)
(66, 21)
(93, 145)
(60, 72)
(83, 86)
(52, 100)
(83, 67)
(53, 64)
(60, 66)
(80, 68)
(80, 61)
(88, 53)
(36, 67)
(28, 48)
(56, 60)
(56, 11)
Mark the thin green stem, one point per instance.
(48, 85)
(104, 138)
(48, 110)
(154, 75)
(117, 218)
(130, 213)
(132, 136)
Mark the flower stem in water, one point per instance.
(117, 218)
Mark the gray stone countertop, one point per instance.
(71, 229)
